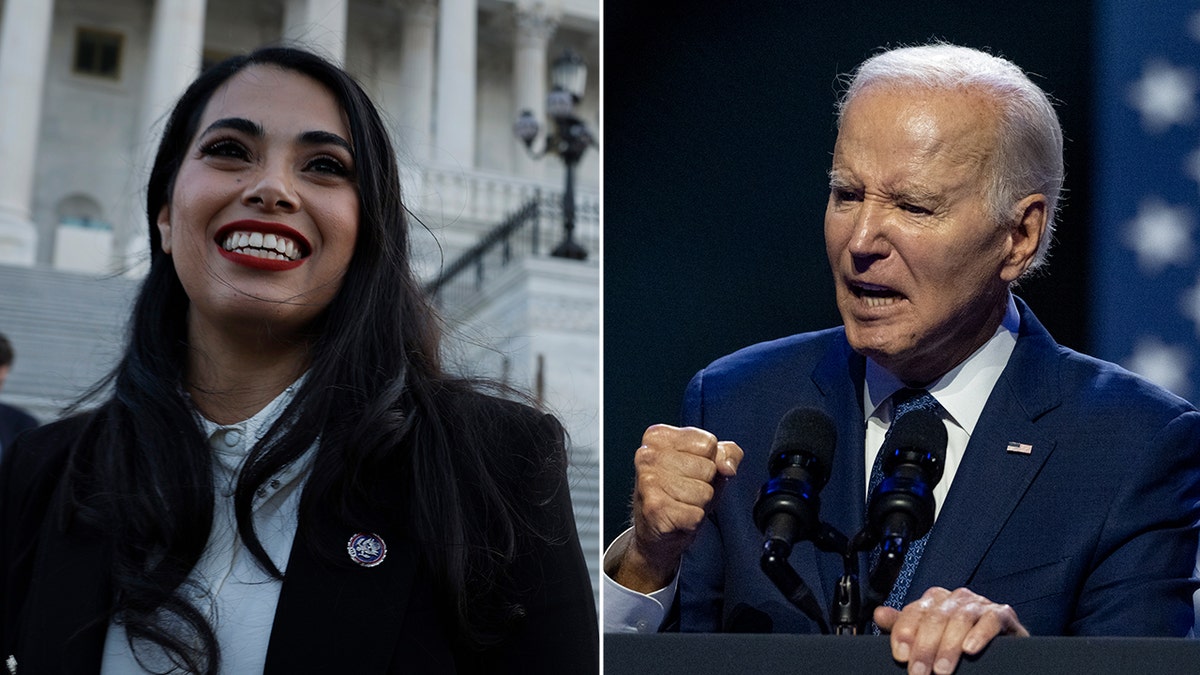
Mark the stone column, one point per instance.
(172, 62)
(24, 46)
(319, 25)
(415, 109)
(535, 25)
(454, 130)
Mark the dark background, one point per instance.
(718, 130)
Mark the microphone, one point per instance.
(901, 507)
(787, 507)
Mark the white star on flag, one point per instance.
(1145, 284)
(1162, 364)
(1165, 95)
(1160, 235)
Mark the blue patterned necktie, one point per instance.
(903, 402)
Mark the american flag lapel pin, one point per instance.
(1020, 448)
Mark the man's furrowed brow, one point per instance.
(915, 192)
(237, 124)
(837, 180)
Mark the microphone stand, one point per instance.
(774, 562)
(845, 611)
(852, 607)
(887, 569)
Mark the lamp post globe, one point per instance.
(569, 140)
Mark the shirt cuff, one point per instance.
(625, 610)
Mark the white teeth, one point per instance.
(873, 301)
(259, 245)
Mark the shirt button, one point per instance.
(233, 437)
(274, 483)
(641, 626)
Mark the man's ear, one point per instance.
(1025, 235)
(164, 227)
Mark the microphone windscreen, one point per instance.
(806, 430)
(921, 430)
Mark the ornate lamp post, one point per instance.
(569, 140)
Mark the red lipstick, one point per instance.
(304, 248)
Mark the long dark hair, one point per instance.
(375, 394)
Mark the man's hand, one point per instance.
(934, 631)
(676, 473)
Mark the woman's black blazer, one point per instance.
(331, 617)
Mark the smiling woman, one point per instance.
(272, 159)
(282, 477)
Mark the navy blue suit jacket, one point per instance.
(13, 421)
(1091, 533)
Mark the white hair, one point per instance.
(1029, 145)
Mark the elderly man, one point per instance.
(1071, 489)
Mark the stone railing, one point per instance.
(479, 200)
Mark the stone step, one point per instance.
(67, 330)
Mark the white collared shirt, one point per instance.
(962, 392)
(227, 585)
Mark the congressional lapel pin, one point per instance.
(366, 549)
(1020, 448)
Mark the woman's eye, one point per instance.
(329, 165)
(225, 148)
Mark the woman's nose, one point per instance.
(272, 190)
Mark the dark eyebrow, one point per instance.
(325, 137)
(255, 129)
(237, 124)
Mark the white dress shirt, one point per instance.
(962, 393)
(237, 596)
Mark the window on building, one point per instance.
(80, 210)
(98, 53)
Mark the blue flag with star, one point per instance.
(1146, 297)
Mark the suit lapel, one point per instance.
(841, 388)
(333, 614)
(991, 480)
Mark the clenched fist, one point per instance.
(676, 473)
